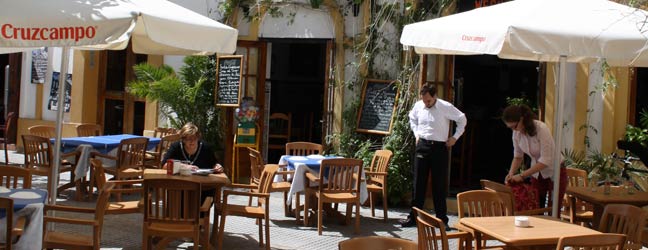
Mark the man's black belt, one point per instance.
(431, 142)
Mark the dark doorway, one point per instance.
(297, 80)
(486, 83)
(641, 102)
(4, 61)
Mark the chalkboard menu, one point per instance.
(228, 85)
(377, 107)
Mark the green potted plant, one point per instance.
(598, 166)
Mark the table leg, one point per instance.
(598, 214)
(217, 206)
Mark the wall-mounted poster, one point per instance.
(52, 104)
(39, 65)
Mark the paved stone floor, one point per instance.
(124, 231)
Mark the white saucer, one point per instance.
(25, 195)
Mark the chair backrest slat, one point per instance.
(482, 203)
(431, 231)
(38, 151)
(256, 166)
(43, 131)
(340, 175)
(11, 176)
(380, 163)
(6, 206)
(171, 201)
(132, 152)
(304, 148)
(605, 241)
(89, 129)
(624, 219)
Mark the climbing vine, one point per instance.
(377, 54)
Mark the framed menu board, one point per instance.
(377, 107)
(228, 80)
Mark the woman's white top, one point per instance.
(539, 147)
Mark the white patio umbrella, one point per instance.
(153, 26)
(540, 30)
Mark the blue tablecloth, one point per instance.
(28, 203)
(20, 203)
(103, 143)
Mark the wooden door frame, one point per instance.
(262, 49)
(128, 99)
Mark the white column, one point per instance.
(595, 103)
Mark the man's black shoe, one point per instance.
(448, 228)
(409, 222)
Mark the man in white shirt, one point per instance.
(430, 121)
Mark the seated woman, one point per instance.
(192, 151)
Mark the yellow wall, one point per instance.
(85, 95)
(615, 107)
(615, 113)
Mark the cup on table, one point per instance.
(176, 166)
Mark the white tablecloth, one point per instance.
(298, 181)
(83, 165)
(32, 237)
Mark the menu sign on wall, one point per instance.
(229, 76)
(378, 106)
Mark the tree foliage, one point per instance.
(184, 97)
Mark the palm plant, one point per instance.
(184, 97)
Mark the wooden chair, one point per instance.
(6, 206)
(377, 179)
(583, 211)
(431, 231)
(481, 203)
(39, 160)
(154, 158)
(304, 148)
(120, 187)
(62, 239)
(624, 219)
(6, 130)
(261, 212)
(301, 149)
(256, 168)
(160, 132)
(129, 162)
(279, 128)
(338, 182)
(172, 210)
(89, 129)
(507, 194)
(376, 243)
(595, 242)
(43, 131)
(10, 177)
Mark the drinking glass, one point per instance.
(593, 184)
(629, 186)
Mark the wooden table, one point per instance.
(212, 181)
(544, 231)
(598, 199)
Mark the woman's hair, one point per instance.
(514, 113)
(189, 129)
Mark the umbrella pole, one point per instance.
(558, 133)
(65, 61)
